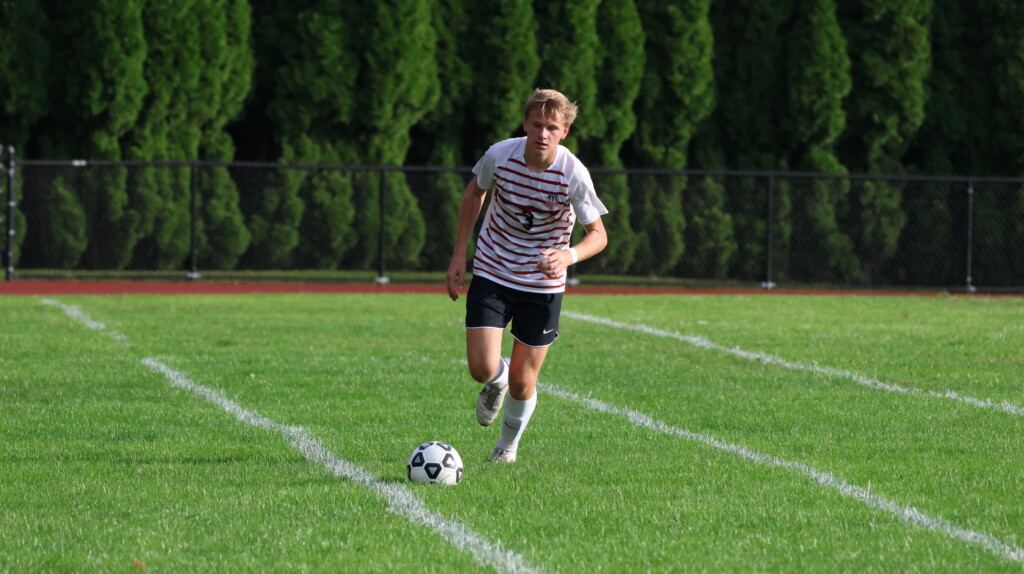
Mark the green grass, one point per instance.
(105, 463)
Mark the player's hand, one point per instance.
(554, 262)
(454, 280)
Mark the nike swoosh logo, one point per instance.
(546, 331)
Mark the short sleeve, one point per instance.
(584, 198)
(484, 170)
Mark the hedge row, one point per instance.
(864, 86)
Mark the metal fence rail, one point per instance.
(197, 219)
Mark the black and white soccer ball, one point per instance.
(435, 462)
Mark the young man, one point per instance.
(523, 250)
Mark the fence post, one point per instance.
(11, 205)
(3, 188)
(193, 273)
(382, 279)
(768, 283)
(970, 237)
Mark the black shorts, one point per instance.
(534, 316)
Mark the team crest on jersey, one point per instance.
(552, 201)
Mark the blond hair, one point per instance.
(551, 103)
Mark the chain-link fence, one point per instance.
(220, 220)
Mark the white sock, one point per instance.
(502, 374)
(517, 415)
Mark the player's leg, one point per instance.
(487, 313)
(535, 328)
(521, 400)
(483, 349)
(525, 365)
(483, 352)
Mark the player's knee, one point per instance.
(521, 389)
(481, 371)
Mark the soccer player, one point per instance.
(539, 189)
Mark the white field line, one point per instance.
(77, 314)
(400, 500)
(907, 514)
(703, 343)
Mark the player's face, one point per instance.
(543, 133)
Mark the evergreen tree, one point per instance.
(1005, 32)
(961, 134)
(24, 64)
(198, 67)
(619, 73)
(226, 80)
(505, 62)
(1002, 207)
(97, 90)
(24, 53)
(928, 247)
(819, 80)
(221, 234)
(676, 95)
(890, 44)
(569, 59)
(327, 233)
(58, 226)
(750, 38)
(709, 234)
(437, 138)
(304, 96)
(955, 106)
(743, 131)
(398, 86)
(167, 129)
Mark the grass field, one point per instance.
(672, 433)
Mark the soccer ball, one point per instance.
(435, 462)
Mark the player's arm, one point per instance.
(556, 261)
(472, 202)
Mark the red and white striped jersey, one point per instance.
(529, 212)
